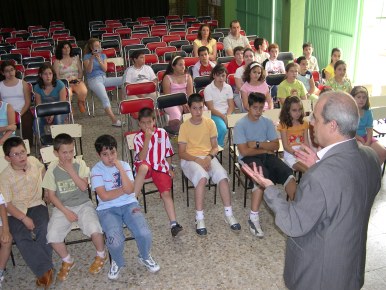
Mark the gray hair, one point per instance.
(341, 108)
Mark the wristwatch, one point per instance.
(257, 144)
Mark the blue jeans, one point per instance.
(112, 220)
(99, 84)
(239, 103)
(221, 129)
(58, 120)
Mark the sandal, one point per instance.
(97, 265)
(65, 270)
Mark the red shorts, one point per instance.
(162, 180)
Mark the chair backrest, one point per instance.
(234, 118)
(224, 59)
(150, 39)
(169, 55)
(74, 130)
(50, 109)
(47, 154)
(285, 56)
(171, 100)
(187, 116)
(134, 106)
(189, 61)
(151, 58)
(307, 106)
(156, 67)
(377, 101)
(275, 80)
(201, 82)
(379, 113)
(273, 115)
(140, 88)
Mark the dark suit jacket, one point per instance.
(327, 222)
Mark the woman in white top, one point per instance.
(67, 66)
(17, 93)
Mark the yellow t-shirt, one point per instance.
(330, 70)
(285, 88)
(197, 137)
(295, 134)
(210, 45)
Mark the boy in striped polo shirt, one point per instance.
(153, 155)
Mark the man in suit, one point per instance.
(327, 222)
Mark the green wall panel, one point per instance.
(330, 24)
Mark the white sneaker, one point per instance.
(150, 264)
(255, 228)
(114, 271)
(233, 223)
(200, 228)
(118, 123)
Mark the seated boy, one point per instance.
(21, 186)
(5, 239)
(272, 64)
(197, 147)
(112, 180)
(204, 66)
(258, 145)
(139, 72)
(66, 181)
(237, 61)
(153, 157)
(312, 61)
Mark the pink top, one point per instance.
(178, 88)
(262, 88)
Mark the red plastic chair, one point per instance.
(220, 49)
(148, 22)
(158, 27)
(159, 32)
(44, 53)
(143, 18)
(109, 52)
(189, 61)
(13, 33)
(25, 52)
(168, 38)
(139, 35)
(13, 40)
(39, 44)
(181, 34)
(32, 27)
(153, 45)
(191, 37)
(31, 71)
(131, 41)
(160, 51)
(140, 89)
(172, 17)
(124, 33)
(41, 33)
(151, 58)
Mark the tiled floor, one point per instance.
(222, 260)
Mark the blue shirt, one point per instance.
(246, 130)
(366, 121)
(110, 178)
(96, 67)
(53, 96)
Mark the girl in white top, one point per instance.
(219, 100)
(69, 67)
(17, 93)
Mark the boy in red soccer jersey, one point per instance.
(204, 66)
(153, 157)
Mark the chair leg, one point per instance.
(13, 259)
(144, 198)
(172, 190)
(215, 193)
(245, 191)
(187, 190)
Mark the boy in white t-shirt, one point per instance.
(139, 72)
(312, 61)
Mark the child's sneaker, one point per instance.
(150, 264)
(2, 272)
(200, 227)
(97, 265)
(114, 271)
(232, 222)
(65, 271)
(255, 228)
(176, 229)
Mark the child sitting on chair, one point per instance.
(204, 66)
(112, 180)
(153, 157)
(66, 182)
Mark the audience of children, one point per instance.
(290, 86)
(67, 66)
(153, 160)
(219, 100)
(340, 81)
(204, 38)
(254, 81)
(204, 66)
